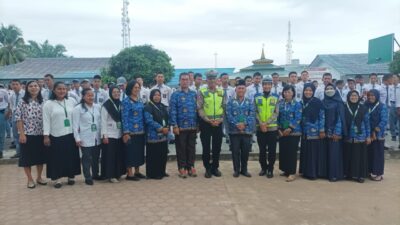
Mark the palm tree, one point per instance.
(11, 45)
(45, 50)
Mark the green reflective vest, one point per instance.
(213, 102)
(265, 110)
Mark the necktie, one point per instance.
(225, 92)
(16, 99)
(387, 94)
(257, 91)
(373, 86)
(77, 92)
(276, 91)
(95, 95)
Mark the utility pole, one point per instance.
(126, 30)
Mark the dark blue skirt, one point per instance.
(134, 151)
(335, 159)
(312, 166)
(376, 157)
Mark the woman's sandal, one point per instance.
(31, 185)
(41, 182)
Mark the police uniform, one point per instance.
(240, 111)
(210, 107)
(267, 113)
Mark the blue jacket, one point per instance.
(183, 110)
(312, 130)
(153, 129)
(363, 134)
(241, 112)
(132, 116)
(290, 114)
(383, 115)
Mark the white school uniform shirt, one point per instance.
(73, 95)
(83, 122)
(370, 86)
(100, 96)
(54, 117)
(320, 92)
(46, 94)
(342, 93)
(251, 91)
(166, 93)
(299, 90)
(346, 91)
(230, 92)
(3, 99)
(276, 90)
(109, 127)
(14, 101)
(122, 96)
(144, 94)
(393, 89)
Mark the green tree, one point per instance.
(11, 45)
(394, 66)
(141, 60)
(44, 50)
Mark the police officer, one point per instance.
(240, 114)
(267, 128)
(210, 103)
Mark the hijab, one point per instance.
(334, 109)
(311, 106)
(352, 109)
(157, 109)
(374, 108)
(112, 105)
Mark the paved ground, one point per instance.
(218, 201)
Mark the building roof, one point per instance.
(350, 64)
(175, 79)
(61, 68)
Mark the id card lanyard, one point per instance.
(93, 126)
(67, 123)
(353, 115)
(118, 110)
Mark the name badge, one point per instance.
(93, 128)
(67, 123)
(119, 125)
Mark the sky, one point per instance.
(192, 31)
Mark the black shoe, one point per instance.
(140, 176)
(208, 174)
(166, 175)
(132, 178)
(360, 180)
(261, 173)
(57, 185)
(246, 174)
(98, 178)
(71, 182)
(15, 156)
(270, 174)
(236, 174)
(89, 182)
(217, 173)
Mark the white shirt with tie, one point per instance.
(253, 90)
(166, 93)
(100, 96)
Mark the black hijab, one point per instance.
(353, 108)
(374, 109)
(157, 110)
(113, 105)
(311, 106)
(334, 109)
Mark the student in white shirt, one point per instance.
(122, 83)
(277, 88)
(86, 117)
(166, 91)
(373, 79)
(3, 116)
(144, 92)
(300, 85)
(14, 99)
(111, 133)
(100, 95)
(63, 153)
(340, 87)
(255, 89)
(326, 79)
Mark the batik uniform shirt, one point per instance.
(183, 110)
(312, 130)
(290, 114)
(132, 116)
(241, 112)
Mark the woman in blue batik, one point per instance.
(289, 130)
(133, 129)
(156, 117)
(331, 155)
(358, 128)
(378, 120)
(313, 127)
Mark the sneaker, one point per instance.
(114, 180)
(182, 173)
(89, 182)
(192, 172)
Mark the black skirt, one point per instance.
(33, 152)
(113, 159)
(355, 160)
(335, 159)
(156, 159)
(376, 157)
(134, 151)
(288, 147)
(64, 158)
(312, 162)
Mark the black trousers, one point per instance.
(267, 143)
(240, 147)
(96, 152)
(185, 144)
(208, 134)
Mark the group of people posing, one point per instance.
(130, 128)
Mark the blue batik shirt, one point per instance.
(241, 112)
(132, 116)
(183, 110)
(290, 114)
